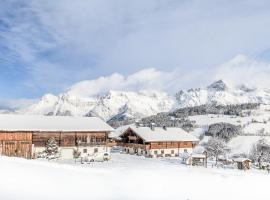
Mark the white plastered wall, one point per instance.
(157, 152)
(67, 152)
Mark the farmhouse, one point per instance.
(156, 141)
(26, 136)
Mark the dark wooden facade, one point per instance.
(131, 139)
(170, 145)
(69, 139)
(20, 143)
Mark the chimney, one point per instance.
(165, 128)
(152, 126)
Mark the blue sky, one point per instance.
(47, 46)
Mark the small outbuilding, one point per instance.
(194, 159)
(225, 160)
(243, 163)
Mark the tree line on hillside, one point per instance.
(178, 118)
(236, 110)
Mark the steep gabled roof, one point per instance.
(10, 122)
(171, 134)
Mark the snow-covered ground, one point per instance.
(254, 127)
(126, 177)
(243, 144)
(251, 124)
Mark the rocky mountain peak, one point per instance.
(219, 85)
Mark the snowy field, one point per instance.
(254, 127)
(126, 177)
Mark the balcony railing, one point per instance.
(132, 145)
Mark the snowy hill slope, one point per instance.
(119, 105)
(253, 128)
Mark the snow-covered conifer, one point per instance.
(51, 149)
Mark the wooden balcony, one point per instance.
(133, 145)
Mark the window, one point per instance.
(155, 152)
(162, 151)
(98, 140)
(172, 151)
(93, 139)
(84, 138)
(84, 150)
(95, 150)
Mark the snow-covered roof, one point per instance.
(241, 159)
(199, 150)
(9, 122)
(160, 134)
(198, 155)
(118, 131)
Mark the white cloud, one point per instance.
(147, 79)
(245, 70)
(239, 70)
(64, 41)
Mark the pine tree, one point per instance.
(51, 149)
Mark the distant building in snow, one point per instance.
(198, 157)
(155, 141)
(243, 163)
(26, 136)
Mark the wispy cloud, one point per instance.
(240, 70)
(245, 70)
(14, 104)
(146, 79)
(58, 43)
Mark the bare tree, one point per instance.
(216, 147)
(260, 152)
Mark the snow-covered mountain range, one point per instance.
(127, 104)
(221, 94)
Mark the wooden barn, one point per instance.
(25, 136)
(156, 141)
